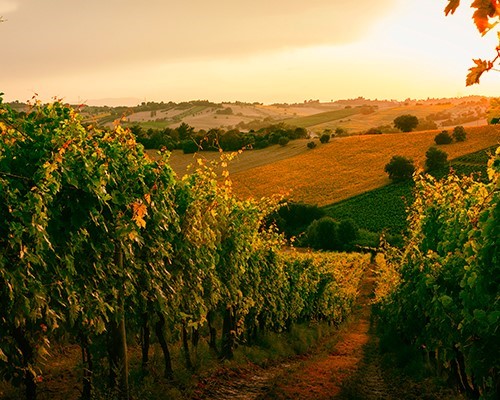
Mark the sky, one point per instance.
(128, 51)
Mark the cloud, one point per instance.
(54, 37)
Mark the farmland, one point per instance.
(348, 166)
(354, 116)
(385, 208)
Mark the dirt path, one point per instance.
(319, 375)
(344, 366)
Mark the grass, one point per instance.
(322, 118)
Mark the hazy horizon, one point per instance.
(234, 51)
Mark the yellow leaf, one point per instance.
(139, 211)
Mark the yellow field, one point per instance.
(348, 166)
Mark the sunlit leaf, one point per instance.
(452, 6)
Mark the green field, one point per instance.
(385, 208)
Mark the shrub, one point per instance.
(459, 133)
(435, 159)
(347, 232)
(293, 218)
(311, 145)
(323, 234)
(373, 131)
(283, 141)
(443, 138)
(400, 168)
(325, 138)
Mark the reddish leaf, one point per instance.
(452, 6)
(485, 9)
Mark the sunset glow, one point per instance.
(287, 51)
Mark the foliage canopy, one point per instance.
(406, 122)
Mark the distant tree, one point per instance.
(274, 138)
(232, 140)
(459, 133)
(325, 138)
(283, 141)
(311, 145)
(340, 131)
(261, 144)
(185, 131)
(443, 138)
(435, 159)
(400, 168)
(189, 146)
(298, 133)
(406, 122)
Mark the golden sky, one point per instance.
(227, 50)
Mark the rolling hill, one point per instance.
(343, 168)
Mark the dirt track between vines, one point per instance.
(346, 365)
(321, 374)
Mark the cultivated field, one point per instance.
(342, 168)
(351, 115)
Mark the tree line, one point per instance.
(189, 140)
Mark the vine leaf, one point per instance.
(140, 210)
(485, 9)
(451, 7)
(476, 71)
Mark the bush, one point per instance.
(325, 138)
(373, 131)
(459, 133)
(283, 141)
(340, 131)
(293, 218)
(347, 232)
(400, 168)
(435, 159)
(322, 234)
(311, 145)
(443, 138)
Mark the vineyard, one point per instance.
(102, 246)
(441, 293)
(385, 208)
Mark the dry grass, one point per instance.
(247, 160)
(348, 166)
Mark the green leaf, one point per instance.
(445, 300)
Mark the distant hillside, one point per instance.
(350, 165)
(354, 116)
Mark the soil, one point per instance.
(347, 365)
